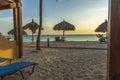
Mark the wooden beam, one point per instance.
(19, 7)
(9, 6)
(17, 13)
(114, 40)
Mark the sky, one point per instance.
(85, 15)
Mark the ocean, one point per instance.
(81, 37)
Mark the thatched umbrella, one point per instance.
(102, 27)
(65, 26)
(12, 32)
(33, 26)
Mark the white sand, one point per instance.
(65, 64)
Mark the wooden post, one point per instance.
(17, 13)
(114, 41)
(20, 28)
(16, 30)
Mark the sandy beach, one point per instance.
(64, 63)
(70, 44)
(70, 33)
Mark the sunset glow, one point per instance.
(86, 15)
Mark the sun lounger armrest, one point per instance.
(6, 59)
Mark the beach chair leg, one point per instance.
(32, 69)
(10, 61)
(21, 74)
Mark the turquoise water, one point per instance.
(90, 37)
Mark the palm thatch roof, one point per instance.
(64, 26)
(33, 26)
(102, 27)
(12, 32)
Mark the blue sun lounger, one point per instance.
(14, 67)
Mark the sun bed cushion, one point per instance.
(11, 68)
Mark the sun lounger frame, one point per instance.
(21, 66)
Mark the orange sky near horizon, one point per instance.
(85, 15)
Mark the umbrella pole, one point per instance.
(32, 37)
(63, 34)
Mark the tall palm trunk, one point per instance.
(40, 27)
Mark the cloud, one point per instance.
(6, 19)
